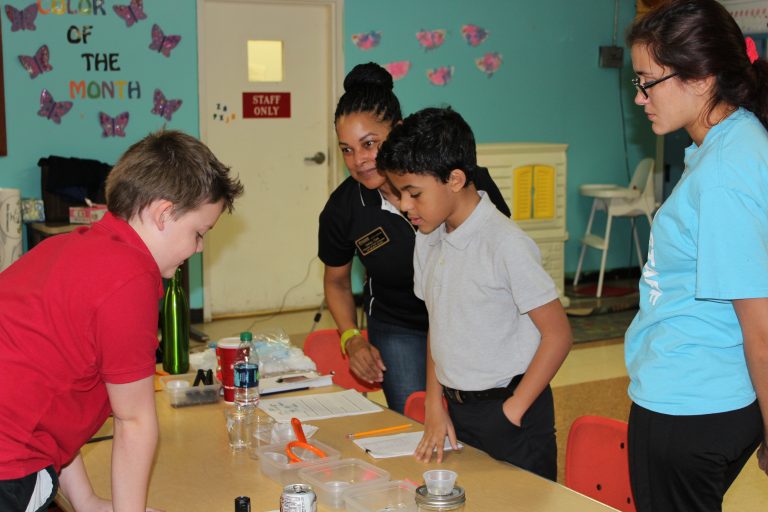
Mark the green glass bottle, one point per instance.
(175, 330)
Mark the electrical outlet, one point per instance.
(611, 56)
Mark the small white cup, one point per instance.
(440, 481)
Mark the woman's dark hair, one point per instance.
(697, 39)
(368, 88)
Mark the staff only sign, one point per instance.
(266, 104)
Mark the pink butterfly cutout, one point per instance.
(132, 12)
(51, 109)
(431, 39)
(162, 43)
(489, 63)
(23, 19)
(398, 69)
(113, 126)
(38, 63)
(366, 40)
(441, 75)
(163, 107)
(474, 34)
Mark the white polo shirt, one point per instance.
(479, 282)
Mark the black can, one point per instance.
(242, 504)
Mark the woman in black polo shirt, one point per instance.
(362, 217)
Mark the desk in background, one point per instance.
(196, 471)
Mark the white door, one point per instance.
(268, 247)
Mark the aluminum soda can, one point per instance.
(298, 498)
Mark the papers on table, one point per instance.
(318, 407)
(396, 445)
(292, 382)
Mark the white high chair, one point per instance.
(633, 201)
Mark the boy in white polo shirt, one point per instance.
(498, 333)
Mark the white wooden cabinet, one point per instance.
(532, 179)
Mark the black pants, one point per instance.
(16, 494)
(682, 463)
(531, 446)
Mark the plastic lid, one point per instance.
(440, 502)
(246, 336)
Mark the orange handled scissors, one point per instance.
(301, 442)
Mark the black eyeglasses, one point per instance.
(643, 88)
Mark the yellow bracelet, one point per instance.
(345, 337)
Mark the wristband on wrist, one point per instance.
(346, 336)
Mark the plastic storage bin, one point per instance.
(181, 392)
(274, 461)
(333, 479)
(398, 495)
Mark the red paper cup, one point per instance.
(228, 351)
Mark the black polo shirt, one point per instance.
(353, 222)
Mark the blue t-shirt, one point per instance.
(709, 245)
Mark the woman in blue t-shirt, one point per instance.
(362, 218)
(697, 351)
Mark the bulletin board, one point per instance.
(3, 135)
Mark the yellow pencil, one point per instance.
(379, 431)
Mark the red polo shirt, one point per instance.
(76, 312)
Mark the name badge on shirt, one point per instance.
(372, 241)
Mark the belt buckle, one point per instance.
(456, 395)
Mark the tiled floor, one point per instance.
(590, 361)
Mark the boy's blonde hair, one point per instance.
(169, 165)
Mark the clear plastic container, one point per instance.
(181, 392)
(333, 479)
(398, 495)
(274, 462)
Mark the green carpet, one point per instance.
(601, 326)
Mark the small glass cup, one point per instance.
(238, 427)
(440, 482)
(260, 433)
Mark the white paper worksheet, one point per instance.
(396, 445)
(319, 406)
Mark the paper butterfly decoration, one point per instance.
(367, 40)
(398, 69)
(51, 109)
(474, 34)
(132, 12)
(23, 19)
(162, 43)
(431, 39)
(113, 126)
(441, 75)
(163, 107)
(489, 63)
(37, 64)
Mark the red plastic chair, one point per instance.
(596, 461)
(324, 348)
(414, 406)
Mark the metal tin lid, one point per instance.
(437, 502)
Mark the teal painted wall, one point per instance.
(549, 87)
(31, 136)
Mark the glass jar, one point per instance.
(453, 502)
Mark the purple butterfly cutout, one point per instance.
(113, 126)
(431, 39)
(132, 12)
(162, 43)
(473, 34)
(38, 63)
(23, 19)
(367, 40)
(163, 107)
(51, 109)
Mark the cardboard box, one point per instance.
(86, 214)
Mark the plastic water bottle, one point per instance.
(175, 329)
(246, 370)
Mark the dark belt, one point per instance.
(461, 397)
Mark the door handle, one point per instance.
(319, 158)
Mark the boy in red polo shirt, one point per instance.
(78, 327)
